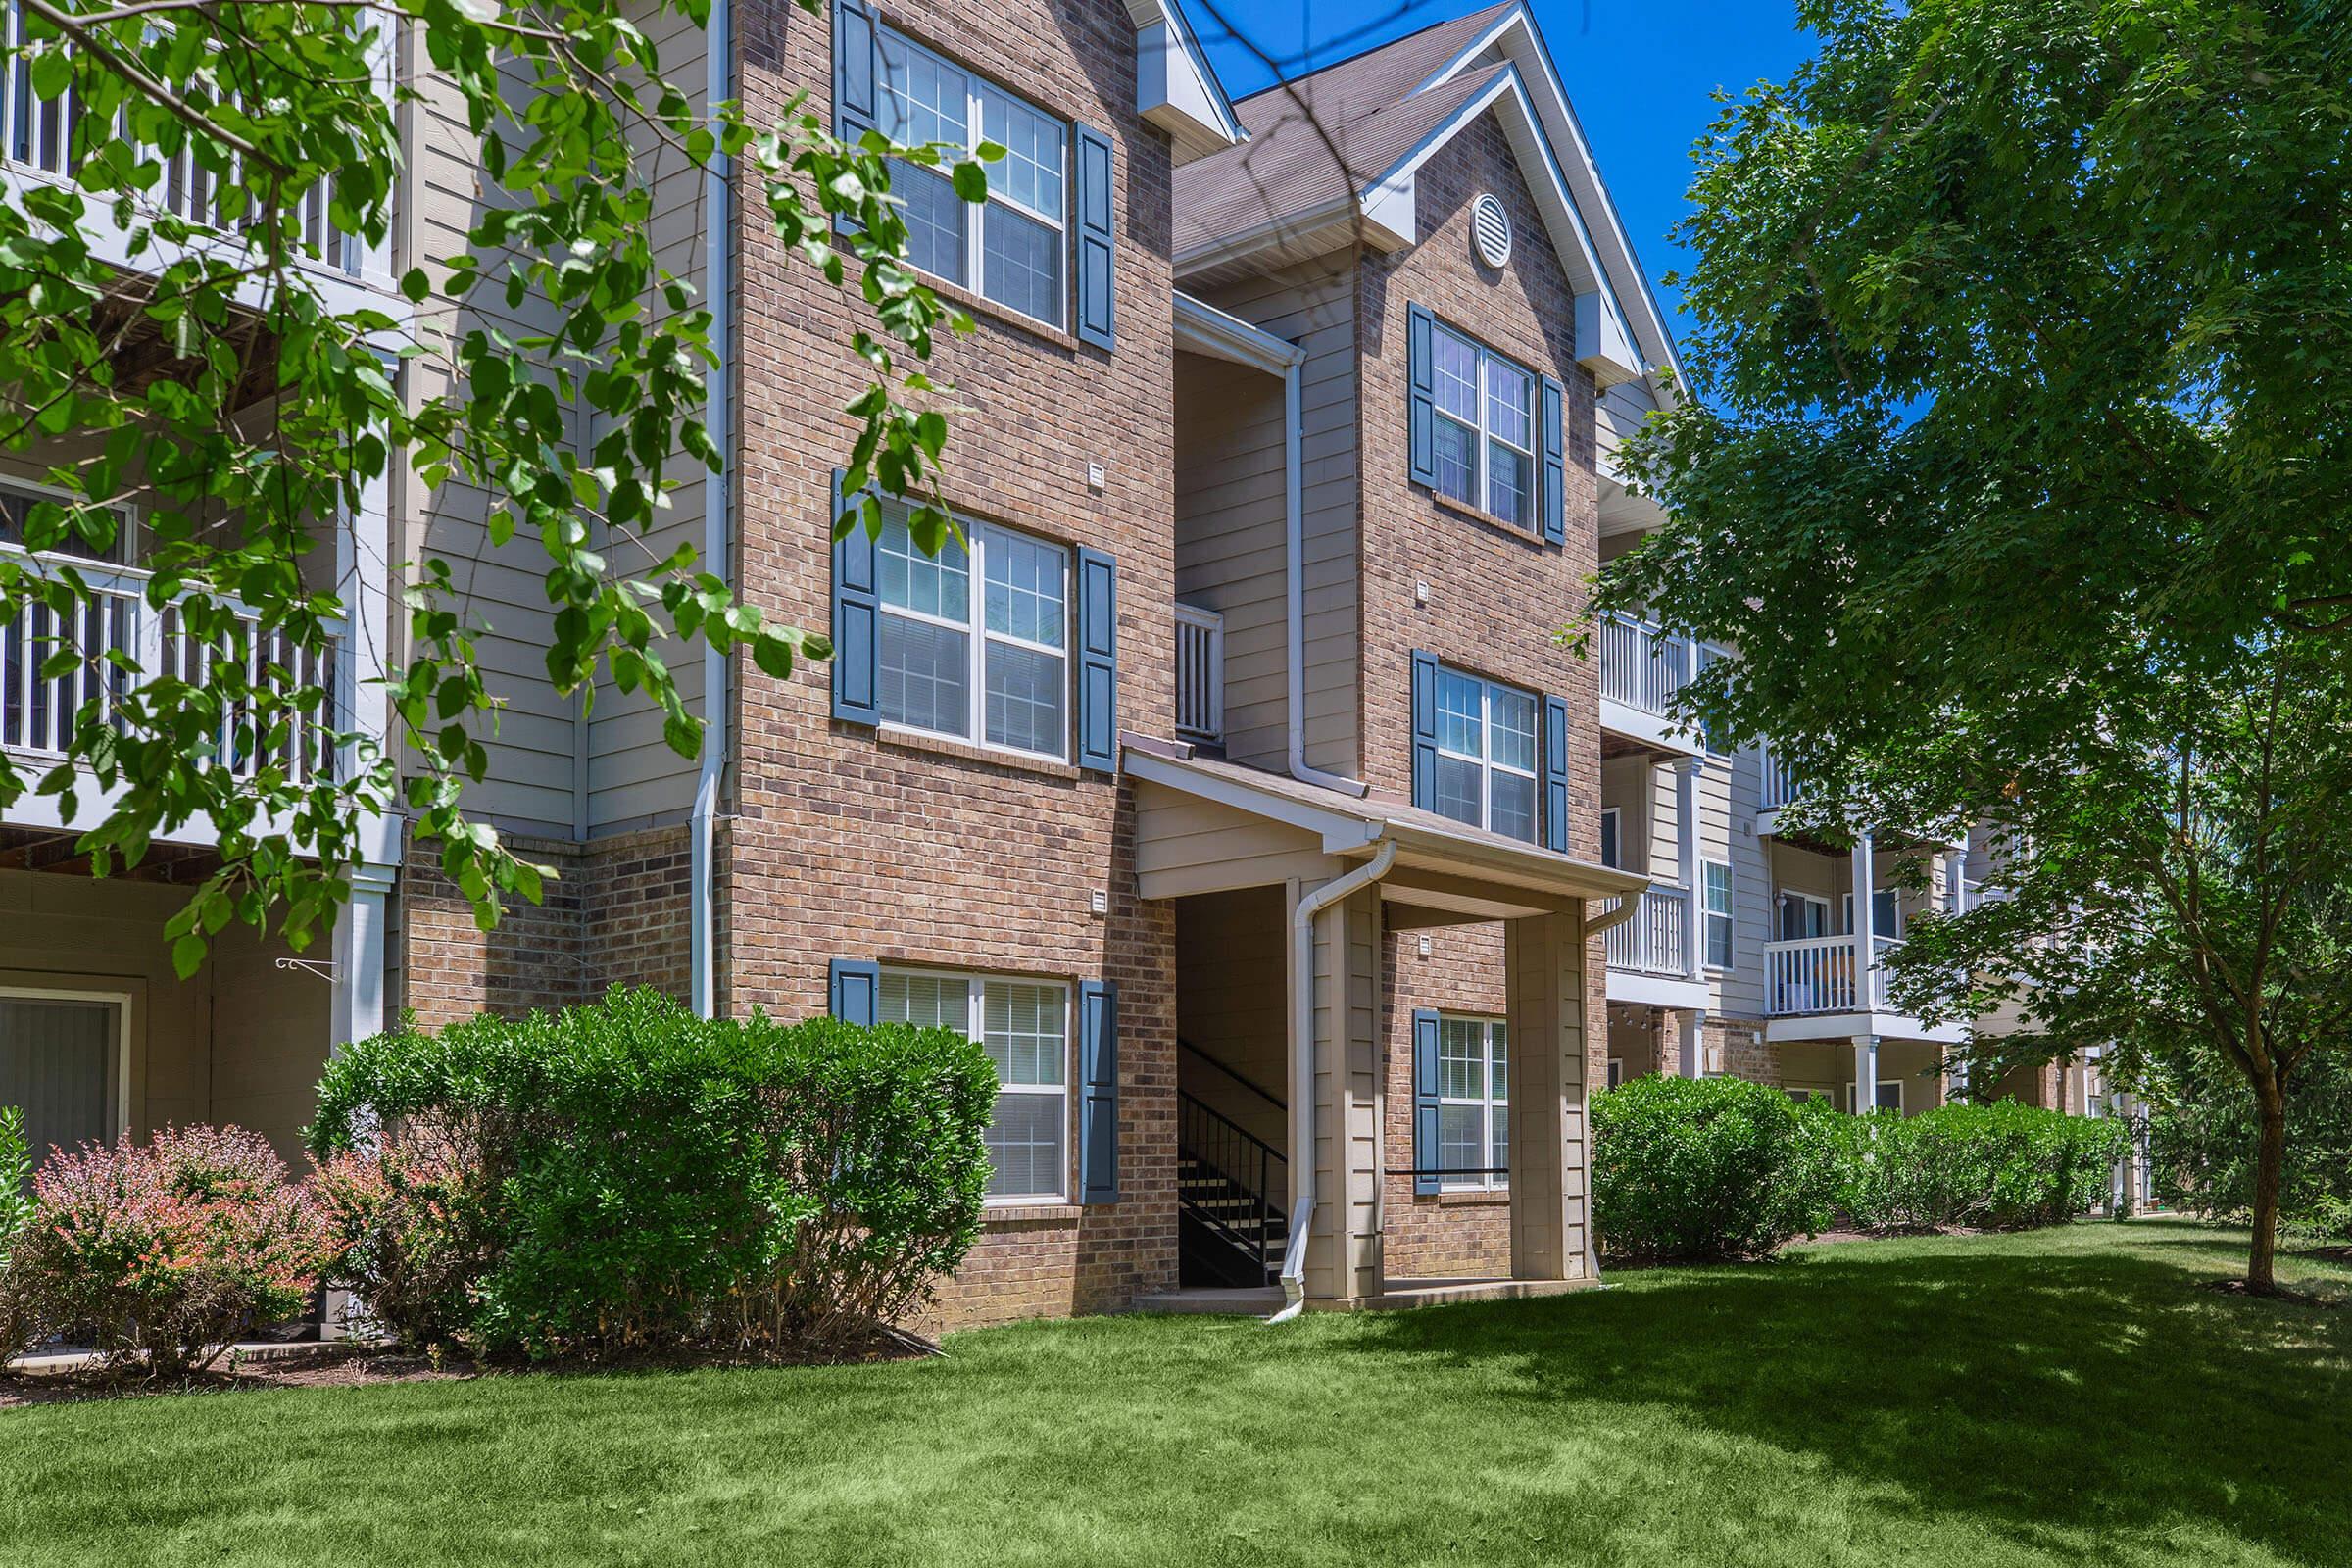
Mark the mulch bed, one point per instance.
(326, 1367)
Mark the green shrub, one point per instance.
(627, 1179)
(16, 1211)
(2201, 1138)
(1709, 1169)
(1995, 1167)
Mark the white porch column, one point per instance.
(1955, 874)
(1551, 1229)
(1864, 934)
(1866, 1073)
(1345, 1259)
(1691, 1043)
(359, 1004)
(1686, 870)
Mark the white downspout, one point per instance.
(719, 185)
(1293, 517)
(1302, 1065)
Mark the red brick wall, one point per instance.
(1497, 596)
(846, 844)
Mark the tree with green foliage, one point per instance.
(2019, 474)
(229, 138)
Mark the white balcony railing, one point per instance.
(1657, 939)
(36, 137)
(1816, 974)
(38, 711)
(1781, 787)
(1640, 665)
(1200, 673)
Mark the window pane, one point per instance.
(1610, 853)
(1510, 483)
(919, 97)
(1513, 714)
(1022, 264)
(926, 673)
(1459, 720)
(1024, 588)
(1024, 697)
(1458, 790)
(1031, 171)
(1508, 393)
(1453, 376)
(1499, 1081)
(926, 1001)
(1719, 941)
(1024, 1031)
(1461, 1059)
(1891, 1096)
(935, 217)
(1456, 455)
(1514, 813)
(1718, 880)
(1461, 1144)
(931, 585)
(1501, 1161)
(1024, 1146)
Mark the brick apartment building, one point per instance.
(1229, 781)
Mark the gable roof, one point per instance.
(1330, 156)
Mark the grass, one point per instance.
(2058, 1397)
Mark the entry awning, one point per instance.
(1205, 824)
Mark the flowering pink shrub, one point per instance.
(164, 1252)
(411, 1230)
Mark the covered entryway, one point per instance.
(1283, 892)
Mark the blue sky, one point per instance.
(1640, 72)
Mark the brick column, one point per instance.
(1550, 1230)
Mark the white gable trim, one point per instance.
(1515, 39)
(1175, 86)
(1605, 340)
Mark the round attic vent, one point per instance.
(1491, 229)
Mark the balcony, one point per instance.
(1200, 675)
(1816, 975)
(1657, 939)
(39, 702)
(1641, 669)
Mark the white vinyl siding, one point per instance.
(1473, 1101)
(1487, 756)
(1010, 250)
(1485, 431)
(1025, 1027)
(941, 643)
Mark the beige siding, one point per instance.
(1617, 415)
(1313, 305)
(1230, 540)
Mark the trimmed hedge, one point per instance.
(1720, 1169)
(1709, 1169)
(2003, 1166)
(625, 1178)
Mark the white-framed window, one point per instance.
(65, 1059)
(1012, 249)
(1616, 1071)
(1025, 1027)
(1487, 748)
(991, 666)
(1890, 1095)
(1885, 913)
(1800, 915)
(1612, 845)
(17, 501)
(1473, 1134)
(1715, 888)
(1485, 432)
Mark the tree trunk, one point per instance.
(2270, 1165)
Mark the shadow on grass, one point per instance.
(2039, 1389)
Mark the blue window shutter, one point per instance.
(1421, 396)
(1093, 236)
(1425, 731)
(1098, 662)
(1425, 1100)
(1098, 1092)
(853, 102)
(857, 620)
(855, 989)
(1556, 775)
(1553, 425)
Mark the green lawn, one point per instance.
(2067, 1397)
